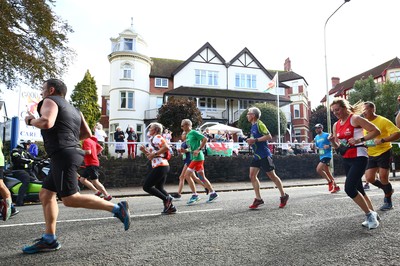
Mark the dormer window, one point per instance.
(128, 44)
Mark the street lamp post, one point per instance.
(328, 113)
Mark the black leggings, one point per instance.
(154, 183)
(354, 169)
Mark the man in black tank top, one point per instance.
(62, 126)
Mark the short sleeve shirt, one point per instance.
(387, 128)
(193, 140)
(260, 149)
(155, 144)
(320, 142)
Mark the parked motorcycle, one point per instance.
(40, 170)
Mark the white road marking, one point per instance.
(106, 218)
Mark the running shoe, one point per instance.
(170, 210)
(213, 196)
(387, 204)
(284, 200)
(372, 220)
(256, 203)
(41, 246)
(123, 215)
(14, 210)
(366, 186)
(193, 199)
(108, 198)
(98, 194)
(335, 189)
(330, 186)
(176, 196)
(168, 202)
(365, 223)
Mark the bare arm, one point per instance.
(332, 137)
(372, 130)
(48, 112)
(85, 130)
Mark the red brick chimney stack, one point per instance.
(288, 65)
(335, 81)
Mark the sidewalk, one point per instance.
(220, 187)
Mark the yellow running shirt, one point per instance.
(387, 128)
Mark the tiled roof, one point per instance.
(163, 67)
(227, 94)
(284, 76)
(376, 72)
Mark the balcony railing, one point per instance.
(237, 114)
(214, 113)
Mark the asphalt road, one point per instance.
(315, 228)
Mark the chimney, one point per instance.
(335, 81)
(288, 65)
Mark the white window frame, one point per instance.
(394, 76)
(295, 88)
(161, 83)
(206, 77)
(127, 71)
(208, 104)
(296, 111)
(128, 44)
(127, 100)
(246, 104)
(245, 81)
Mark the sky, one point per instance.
(361, 35)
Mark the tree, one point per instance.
(364, 90)
(175, 110)
(318, 116)
(386, 104)
(33, 42)
(84, 97)
(269, 116)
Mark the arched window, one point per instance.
(127, 71)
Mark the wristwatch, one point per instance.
(383, 141)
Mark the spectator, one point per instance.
(100, 134)
(208, 135)
(219, 137)
(32, 148)
(132, 137)
(22, 169)
(167, 136)
(119, 137)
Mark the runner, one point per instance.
(325, 155)
(62, 126)
(196, 143)
(155, 181)
(380, 153)
(262, 158)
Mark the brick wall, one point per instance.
(127, 172)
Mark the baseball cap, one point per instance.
(319, 126)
